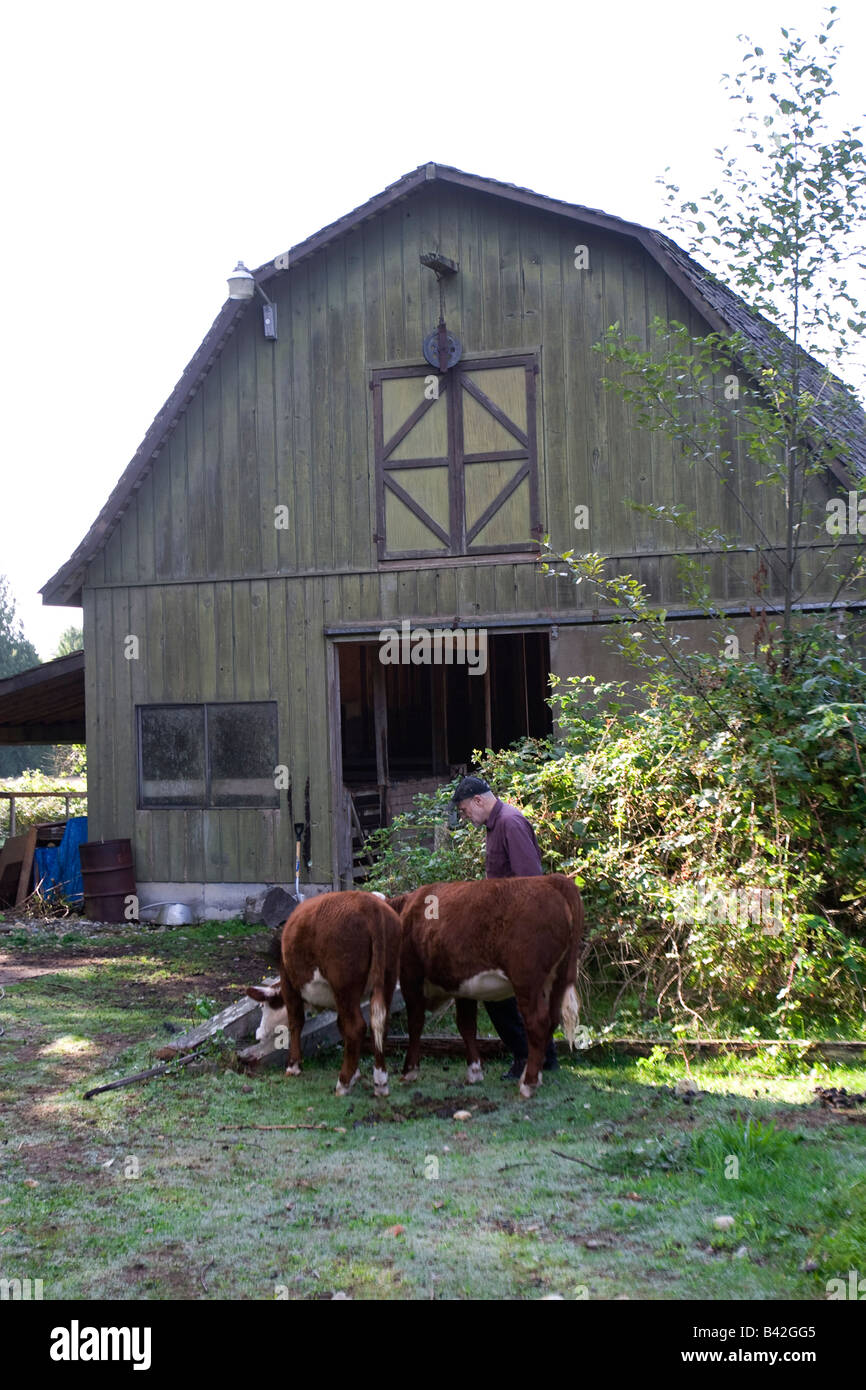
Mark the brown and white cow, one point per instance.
(337, 950)
(489, 939)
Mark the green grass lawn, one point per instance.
(168, 1189)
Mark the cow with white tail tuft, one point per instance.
(489, 939)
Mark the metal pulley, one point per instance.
(441, 348)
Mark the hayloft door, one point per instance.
(456, 459)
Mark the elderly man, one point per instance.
(512, 852)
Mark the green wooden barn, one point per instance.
(314, 479)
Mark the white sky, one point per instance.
(163, 142)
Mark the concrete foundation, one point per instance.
(215, 902)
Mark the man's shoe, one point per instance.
(515, 1071)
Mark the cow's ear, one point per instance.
(266, 994)
(397, 903)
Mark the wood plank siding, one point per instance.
(227, 606)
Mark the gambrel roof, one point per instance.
(725, 312)
(734, 315)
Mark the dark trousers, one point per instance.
(506, 1019)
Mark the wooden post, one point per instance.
(350, 819)
(341, 830)
(380, 717)
(488, 720)
(16, 863)
(439, 719)
(11, 818)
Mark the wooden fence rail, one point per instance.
(12, 797)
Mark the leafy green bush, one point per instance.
(721, 857)
(418, 848)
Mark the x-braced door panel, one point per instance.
(456, 459)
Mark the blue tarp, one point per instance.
(59, 867)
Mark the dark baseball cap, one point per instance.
(470, 786)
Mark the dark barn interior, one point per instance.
(407, 729)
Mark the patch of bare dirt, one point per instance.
(224, 981)
(423, 1107)
(61, 1161)
(14, 974)
(68, 1069)
(169, 1270)
(807, 1116)
(554, 1229)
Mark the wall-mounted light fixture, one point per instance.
(243, 285)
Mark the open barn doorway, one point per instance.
(406, 729)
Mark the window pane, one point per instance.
(242, 746)
(172, 755)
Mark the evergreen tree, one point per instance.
(17, 654)
(71, 640)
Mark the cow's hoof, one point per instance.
(526, 1091)
(293, 1069)
(342, 1090)
(380, 1083)
(411, 1075)
(474, 1073)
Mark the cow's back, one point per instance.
(339, 934)
(452, 931)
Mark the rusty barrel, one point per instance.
(109, 879)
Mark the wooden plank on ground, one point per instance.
(319, 1031)
(241, 1019)
(16, 862)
